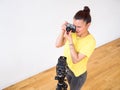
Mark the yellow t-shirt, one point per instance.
(83, 45)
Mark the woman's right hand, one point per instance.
(63, 27)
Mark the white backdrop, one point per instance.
(29, 28)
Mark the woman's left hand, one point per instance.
(68, 36)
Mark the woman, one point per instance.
(78, 47)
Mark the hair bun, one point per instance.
(86, 9)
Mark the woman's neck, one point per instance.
(85, 34)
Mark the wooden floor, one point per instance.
(103, 72)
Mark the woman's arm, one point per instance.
(61, 38)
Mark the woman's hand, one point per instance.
(63, 27)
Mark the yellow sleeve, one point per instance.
(88, 48)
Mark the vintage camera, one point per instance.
(61, 71)
(70, 27)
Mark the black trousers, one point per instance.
(76, 83)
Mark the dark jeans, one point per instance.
(76, 83)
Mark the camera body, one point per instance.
(70, 27)
(61, 70)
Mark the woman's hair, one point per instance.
(84, 15)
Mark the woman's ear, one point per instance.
(88, 25)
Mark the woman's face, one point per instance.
(81, 26)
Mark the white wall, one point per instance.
(28, 30)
